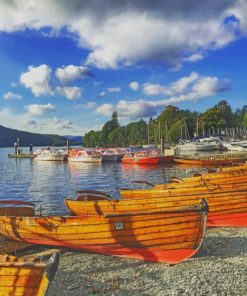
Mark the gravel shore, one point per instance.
(219, 268)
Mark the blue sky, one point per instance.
(67, 65)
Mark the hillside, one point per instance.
(8, 136)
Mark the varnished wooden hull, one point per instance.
(222, 181)
(207, 161)
(164, 236)
(223, 206)
(23, 278)
(176, 191)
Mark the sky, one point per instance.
(65, 66)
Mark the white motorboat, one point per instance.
(185, 146)
(50, 155)
(230, 145)
(84, 155)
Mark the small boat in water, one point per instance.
(84, 155)
(20, 277)
(50, 155)
(108, 155)
(169, 235)
(212, 159)
(141, 157)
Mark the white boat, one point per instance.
(84, 155)
(216, 144)
(230, 144)
(108, 155)
(50, 155)
(185, 146)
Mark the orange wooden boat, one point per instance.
(201, 182)
(226, 208)
(26, 278)
(164, 191)
(212, 159)
(16, 208)
(165, 235)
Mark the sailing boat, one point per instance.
(186, 144)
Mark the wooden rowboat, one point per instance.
(26, 278)
(206, 188)
(212, 159)
(166, 235)
(199, 182)
(16, 208)
(226, 208)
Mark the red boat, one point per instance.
(141, 157)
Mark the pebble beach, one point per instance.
(218, 269)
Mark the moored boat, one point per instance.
(169, 235)
(84, 155)
(20, 277)
(212, 159)
(141, 157)
(108, 155)
(226, 208)
(51, 155)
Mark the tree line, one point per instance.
(172, 124)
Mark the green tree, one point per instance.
(109, 127)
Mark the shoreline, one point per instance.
(219, 268)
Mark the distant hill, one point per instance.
(8, 136)
(78, 139)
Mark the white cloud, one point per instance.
(71, 72)
(37, 79)
(174, 88)
(134, 85)
(194, 58)
(89, 105)
(102, 94)
(36, 109)
(105, 109)
(53, 125)
(114, 89)
(108, 91)
(127, 32)
(71, 93)
(187, 89)
(12, 96)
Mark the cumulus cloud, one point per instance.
(37, 109)
(37, 79)
(71, 93)
(174, 88)
(71, 72)
(108, 91)
(52, 125)
(190, 89)
(105, 109)
(134, 85)
(122, 33)
(12, 96)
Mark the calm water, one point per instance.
(47, 184)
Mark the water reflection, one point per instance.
(49, 183)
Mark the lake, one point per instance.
(47, 184)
